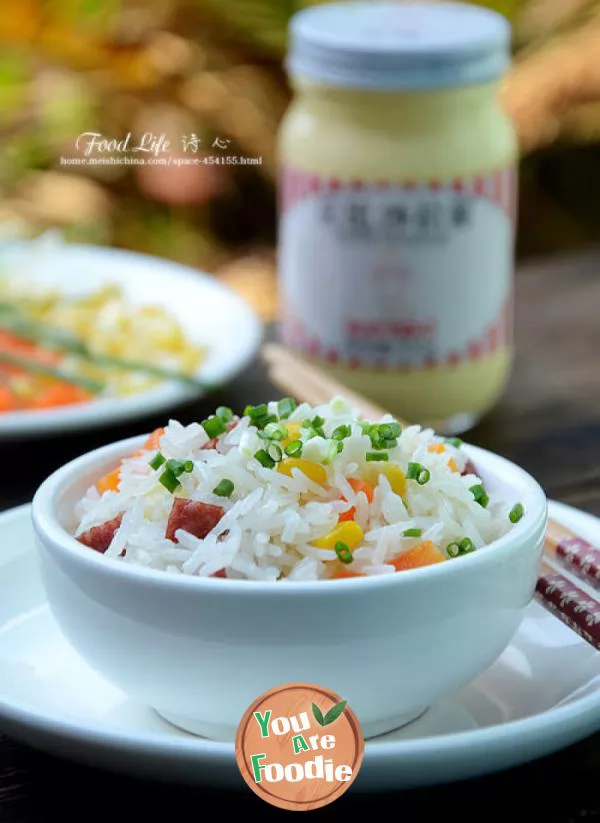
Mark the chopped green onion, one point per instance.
(412, 533)
(262, 410)
(480, 495)
(461, 547)
(275, 431)
(224, 488)
(453, 549)
(285, 407)
(294, 449)
(259, 415)
(168, 480)
(178, 467)
(343, 552)
(391, 429)
(157, 461)
(314, 427)
(416, 471)
(264, 459)
(333, 449)
(382, 435)
(341, 432)
(214, 426)
(455, 441)
(516, 513)
(225, 413)
(175, 466)
(376, 457)
(275, 451)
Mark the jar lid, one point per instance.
(398, 45)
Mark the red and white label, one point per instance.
(387, 276)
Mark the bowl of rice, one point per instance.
(201, 566)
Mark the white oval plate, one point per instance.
(210, 314)
(542, 694)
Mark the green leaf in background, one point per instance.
(96, 14)
(14, 73)
(318, 714)
(334, 712)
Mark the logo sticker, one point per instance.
(299, 746)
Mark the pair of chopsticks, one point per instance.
(569, 582)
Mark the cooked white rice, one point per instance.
(271, 519)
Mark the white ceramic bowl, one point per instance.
(200, 651)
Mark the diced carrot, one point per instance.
(153, 441)
(424, 554)
(59, 394)
(452, 465)
(357, 486)
(343, 572)
(436, 448)
(110, 482)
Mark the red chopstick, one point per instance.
(575, 606)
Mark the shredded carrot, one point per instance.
(14, 344)
(357, 486)
(452, 465)
(7, 399)
(58, 394)
(424, 554)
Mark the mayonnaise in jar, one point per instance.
(397, 205)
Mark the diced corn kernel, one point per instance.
(348, 532)
(395, 476)
(312, 470)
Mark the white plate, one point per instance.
(540, 695)
(210, 314)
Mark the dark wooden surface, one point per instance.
(548, 420)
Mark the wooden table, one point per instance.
(549, 421)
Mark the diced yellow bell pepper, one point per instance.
(348, 532)
(314, 471)
(395, 475)
(293, 433)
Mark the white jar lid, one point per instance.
(398, 45)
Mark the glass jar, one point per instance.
(397, 205)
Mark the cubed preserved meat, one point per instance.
(100, 537)
(193, 517)
(469, 468)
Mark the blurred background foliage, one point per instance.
(213, 69)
